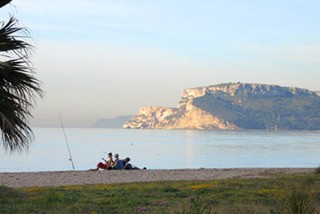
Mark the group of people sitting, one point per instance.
(114, 164)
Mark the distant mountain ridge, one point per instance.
(233, 106)
(113, 123)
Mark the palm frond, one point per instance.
(10, 41)
(16, 133)
(18, 79)
(4, 2)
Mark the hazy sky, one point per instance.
(102, 58)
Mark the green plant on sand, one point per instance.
(301, 200)
(317, 171)
(241, 196)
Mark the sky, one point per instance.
(100, 59)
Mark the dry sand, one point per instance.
(64, 178)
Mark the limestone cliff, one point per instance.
(235, 106)
(175, 118)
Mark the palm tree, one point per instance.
(18, 85)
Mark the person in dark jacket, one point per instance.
(121, 164)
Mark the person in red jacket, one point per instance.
(106, 165)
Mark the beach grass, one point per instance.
(280, 194)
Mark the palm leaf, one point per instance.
(19, 87)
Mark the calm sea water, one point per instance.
(166, 149)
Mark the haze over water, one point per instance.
(167, 149)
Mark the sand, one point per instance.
(65, 178)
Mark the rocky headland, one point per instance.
(235, 106)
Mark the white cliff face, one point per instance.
(186, 116)
(172, 118)
(150, 117)
(196, 118)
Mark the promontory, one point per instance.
(235, 106)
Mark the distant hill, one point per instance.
(236, 106)
(113, 123)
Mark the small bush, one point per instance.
(317, 171)
(7, 192)
(301, 201)
(197, 207)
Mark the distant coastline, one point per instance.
(112, 123)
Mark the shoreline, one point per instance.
(70, 178)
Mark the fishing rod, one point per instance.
(65, 137)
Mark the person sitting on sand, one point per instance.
(107, 165)
(129, 166)
(116, 158)
(121, 164)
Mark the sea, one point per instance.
(164, 149)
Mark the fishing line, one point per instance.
(65, 137)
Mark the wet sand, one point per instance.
(65, 178)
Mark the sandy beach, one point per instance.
(64, 178)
